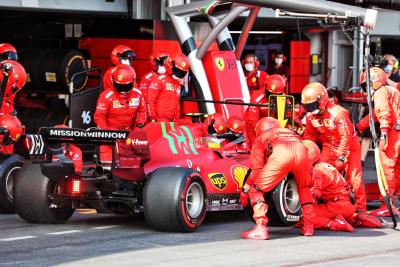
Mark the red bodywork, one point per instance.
(222, 164)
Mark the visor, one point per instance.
(310, 107)
(9, 55)
(123, 88)
(178, 72)
(128, 54)
(161, 60)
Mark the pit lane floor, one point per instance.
(90, 239)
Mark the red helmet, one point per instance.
(61, 126)
(179, 65)
(123, 77)
(236, 124)
(313, 151)
(314, 96)
(378, 77)
(218, 122)
(8, 51)
(16, 78)
(158, 59)
(13, 125)
(121, 53)
(265, 124)
(275, 84)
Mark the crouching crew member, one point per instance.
(276, 152)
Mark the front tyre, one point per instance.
(9, 168)
(32, 191)
(175, 200)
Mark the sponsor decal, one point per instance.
(317, 123)
(225, 201)
(215, 202)
(219, 181)
(169, 87)
(292, 218)
(180, 139)
(88, 134)
(120, 77)
(238, 172)
(329, 123)
(134, 102)
(116, 104)
(219, 62)
(183, 64)
(254, 80)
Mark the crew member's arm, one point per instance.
(102, 109)
(382, 111)
(343, 127)
(152, 95)
(141, 112)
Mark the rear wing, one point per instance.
(50, 138)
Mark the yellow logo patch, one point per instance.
(220, 63)
(120, 77)
(254, 79)
(183, 64)
(218, 180)
(116, 104)
(238, 173)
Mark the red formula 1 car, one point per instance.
(173, 172)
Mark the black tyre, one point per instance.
(8, 171)
(175, 200)
(31, 197)
(283, 204)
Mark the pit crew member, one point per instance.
(275, 84)
(276, 152)
(255, 78)
(164, 92)
(121, 54)
(120, 107)
(387, 110)
(331, 124)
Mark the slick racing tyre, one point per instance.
(283, 204)
(32, 192)
(175, 200)
(8, 171)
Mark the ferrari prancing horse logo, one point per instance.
(219, 62)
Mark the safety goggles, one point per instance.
(128, 54)
(123, 88)
(161, 60)
(310, 107)
(178, 72)
(9, 55)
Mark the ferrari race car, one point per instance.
(172, 172)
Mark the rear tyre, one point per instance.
(31, 196)
(283, 204)
(9, 168)
(175, 200)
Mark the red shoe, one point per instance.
(381, 212)
(259, 232)
(307, 229)
(363, 219)
(340, 224)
